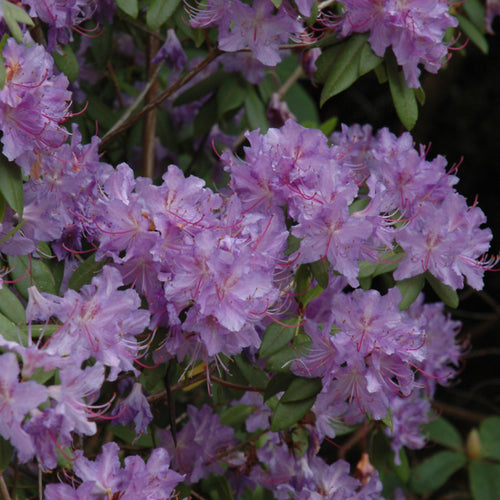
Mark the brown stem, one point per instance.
(460, 413)
(117, 130)
(4, 492)
(235, 386)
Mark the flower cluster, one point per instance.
(414, 30)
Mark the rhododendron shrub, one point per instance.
(206, 285)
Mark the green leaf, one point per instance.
(253, 375)
(278, 336)
(474, 34)
(206, 117)
(13, 14)
(201, 89)
(279, 383)
(444, 292)
(403, 96)
(293, 244)
(130, 7)
(8, 330)
(255, 111)
(475, 12)
(442, 432)
(236, 415)
(319, 270)
(35, 272)
(302, 105)
(484, 480)
(287, 415)
(159, 12)
(300, 389)
(340, 66)
(329, 125)
(6, 453)
(410, 288)
(302, 279)
(489, 433)
(300, 441)
(386, 263)
(11, 185)
(280, 361)
(84, 273)
(230, 96)
(306, 297)
(432, 473)
(277, 3)
(218, 488)
(66, 62)
(11, 306)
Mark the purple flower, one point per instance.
(257, 28)
(100, 322)
(16, 400)
(199, 444)
(33, 104)
(414, 29)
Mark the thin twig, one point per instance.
(124, 124)
(236, 386)
(460, 413)
(4, 491)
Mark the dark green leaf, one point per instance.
(278, 336)
(489, 433)
(236, 415)
(201, 89)
(218, 488)
(255, 111)
(474, 34)
(159, 12)
(319, 270)
(206, 117)
(302, 105)
(433, 472)
(279, 383)
(444, 292)
(128, 435)
(442, 432)
(280, 361)
(230, 96)
(302, 279)
(293, 244)
(410, 289)
(300, 389)
(343, 64)
(66, 62)
(84, 273)
(311, 294)
(130, 7)
(6, 453)
(484, 480)
(253, 375)
(287, 415)
(403, 96)
(11, 185)
(11, 306)
(35, 272)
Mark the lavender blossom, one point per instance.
(414, 29)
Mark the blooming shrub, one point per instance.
(196, 306)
